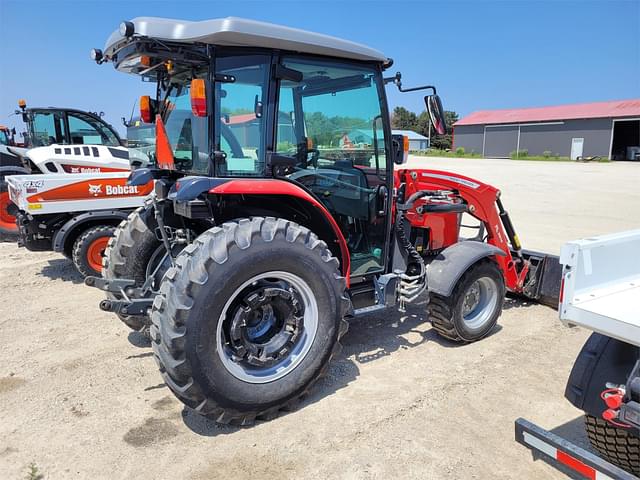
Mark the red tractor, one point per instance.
(268, 231)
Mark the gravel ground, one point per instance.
(80, 396)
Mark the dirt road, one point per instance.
(80, 396)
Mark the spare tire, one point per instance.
(618, 446)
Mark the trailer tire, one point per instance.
(218, 288)
(127, 256)
(484, 282)
(89, 248)
(616, 445)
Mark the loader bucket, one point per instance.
(543, 281)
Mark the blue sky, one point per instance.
(480, 54)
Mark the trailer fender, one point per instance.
(602, 360)
(444, 271)
(70, 228)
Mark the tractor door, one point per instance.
(330, 120)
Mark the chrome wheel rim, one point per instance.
(479, 303)
(267, 327)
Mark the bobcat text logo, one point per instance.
(95, 190)
(121, 189)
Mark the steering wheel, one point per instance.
(232, 140)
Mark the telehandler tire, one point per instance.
(249, 319)
(616, 445)
(8, 225)
(473, 308)
(89, 249)
(127, 256)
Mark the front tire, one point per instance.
(473, 308)
(128, 255)
(616, 445)
(248, 319)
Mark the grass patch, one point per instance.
(458, 153)
(33, 472)
(521, 155)
(541, 158)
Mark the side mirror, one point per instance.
(436, 113)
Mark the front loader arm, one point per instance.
(480, 200)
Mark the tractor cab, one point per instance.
(239, 99)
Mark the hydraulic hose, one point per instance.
(411, 286)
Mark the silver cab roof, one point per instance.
(232, 31)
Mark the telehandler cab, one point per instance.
(278, 213)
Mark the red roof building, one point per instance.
(605, 129)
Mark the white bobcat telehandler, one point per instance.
(60, 141)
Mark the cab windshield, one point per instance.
(4, 137)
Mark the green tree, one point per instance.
(423, 123)
(444, 142)
(403, 119)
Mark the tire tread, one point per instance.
(172, 307)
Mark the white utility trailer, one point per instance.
(601, 292)
(601, 285)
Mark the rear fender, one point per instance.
(602, 360)
(445, 270)
(72, 227)
(282, 198)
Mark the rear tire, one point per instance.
(89, 248)
(616, 445)
(473, 308)
(127, 256)
(214, 300)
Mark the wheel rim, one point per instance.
(479, 303)
(95, 252)
(267, 327)
(7, 221)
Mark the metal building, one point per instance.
(605, 129)
(417, 142)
